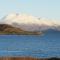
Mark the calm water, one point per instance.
(47, 45)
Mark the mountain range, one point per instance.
(29, 23)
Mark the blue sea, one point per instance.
(40, 46)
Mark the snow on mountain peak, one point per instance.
(30, 23)
(20, 18)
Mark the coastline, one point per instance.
(22, 58)
(27, 58)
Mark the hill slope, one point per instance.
(8, 29)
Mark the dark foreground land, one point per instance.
(26, 58)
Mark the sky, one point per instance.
(39, 8)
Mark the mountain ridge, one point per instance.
(30, 23)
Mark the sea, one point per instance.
(40, 46)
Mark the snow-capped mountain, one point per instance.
(30, 23)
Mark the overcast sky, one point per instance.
(40, 8)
